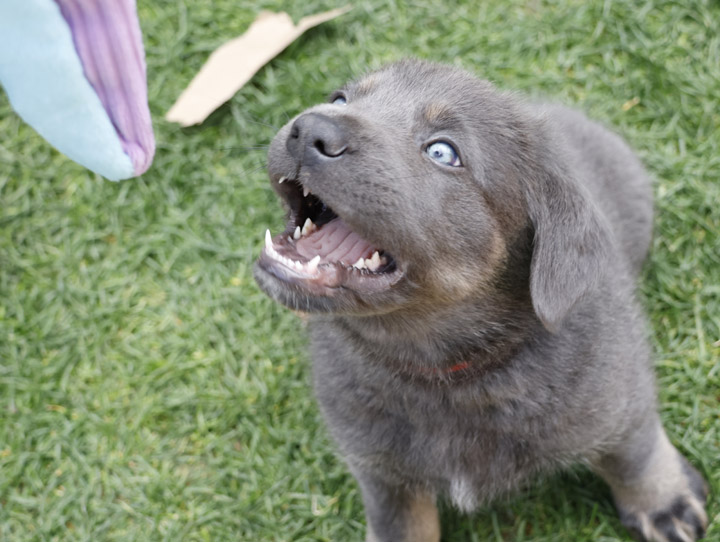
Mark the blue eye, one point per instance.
(443, 153)
(339, 100)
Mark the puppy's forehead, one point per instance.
(434, 93)
(367, 84)
(397, 79)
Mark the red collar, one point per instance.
(463, 370)
(455, 373)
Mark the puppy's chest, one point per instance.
(460, 440)
(462, 459)
(416, 436)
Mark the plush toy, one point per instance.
(75, 71)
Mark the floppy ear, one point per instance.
(572, 245)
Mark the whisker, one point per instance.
(260, 123)
(245, 148)
(255, 170)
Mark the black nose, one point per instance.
(315, 135)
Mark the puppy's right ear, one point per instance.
(571, 247)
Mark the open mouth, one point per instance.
(319, 252)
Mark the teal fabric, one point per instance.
(44, 80)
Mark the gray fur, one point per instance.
(521, 263)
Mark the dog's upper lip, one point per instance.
(288, 180)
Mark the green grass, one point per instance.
(149, 391)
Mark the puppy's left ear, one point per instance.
(572, 244)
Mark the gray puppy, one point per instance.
(469, 261)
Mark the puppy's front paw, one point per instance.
(684, 520)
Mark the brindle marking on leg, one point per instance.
(420, 521)
(423, 524)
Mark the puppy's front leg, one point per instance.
(660, 496)
(397, 513)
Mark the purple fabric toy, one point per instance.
(75, 71)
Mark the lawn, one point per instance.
(149, 391)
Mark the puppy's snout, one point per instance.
(314, 134)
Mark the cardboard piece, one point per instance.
(232, 64)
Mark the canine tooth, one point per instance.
(374, 262)
(306, 191)
(298, 233)
(312, 265)
(360, 264)
(282, 180)
(308, 227)
(268, 240)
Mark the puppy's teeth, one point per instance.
(375, 261)
(298, 233)
(308, 227)
(306, 191)
(312, 265)
(360, 264)
(268, 240)
(299, 266)
(282, 180)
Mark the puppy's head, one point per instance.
(411, 188)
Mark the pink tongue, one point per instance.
(335, 242)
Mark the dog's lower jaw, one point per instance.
(389, 291)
